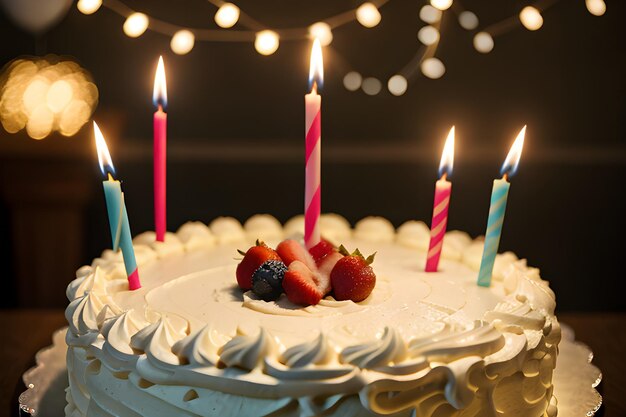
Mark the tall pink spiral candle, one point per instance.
(159, 96)
(313, 151)
(443, 189)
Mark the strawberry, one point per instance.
(321, 250)
(252, 259)
(353, 278)
(324, 267)
(290, 250)
(300, 285)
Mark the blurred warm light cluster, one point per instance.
(44, 95)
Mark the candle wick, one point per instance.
(314, 88)
(110, 176)
(444, 176)
(505, 177)
(160, 107)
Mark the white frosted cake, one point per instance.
(190, 342)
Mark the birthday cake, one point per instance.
(192, 342)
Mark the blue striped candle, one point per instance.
(497, 208)
(120, 229)
(116, 209)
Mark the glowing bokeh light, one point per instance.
(227, 15)
(135, 25)
(321, 31)
(44, 95)
(352, 81)
(266, 42)
(531, 18)
(182, 42)
(368, 15)
(397, 85)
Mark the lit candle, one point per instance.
(497, 208)
(159, 97)
(443, 188)
(116, 209)
(313, 149)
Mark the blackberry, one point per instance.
(267, 280)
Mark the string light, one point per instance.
(596, 7)
(368, 15)
(531, 18)
(428, 35)
(433, 68)
(468, 20)
(441, 4)
(371, 86)
(429, 14)
(321, 31)
(397, 85)
(227, 15)
(88, 6)
(483, 42)
(352, 81)
(182, 42)
(135, 25)
(266, 42)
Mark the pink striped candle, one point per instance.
(443, 189)
(313, 149)
(159, 97)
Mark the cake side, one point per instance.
(151, 353)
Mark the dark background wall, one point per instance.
(236, 129)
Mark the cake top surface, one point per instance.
(191, 315)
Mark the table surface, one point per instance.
(27, 331)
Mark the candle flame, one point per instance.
(509, 167)
(447, 156)
(159, 93)
(316, 68)
(104, 157)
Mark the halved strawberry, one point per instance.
(321, 250)
(290, 250)
(300, 284)
(252, 259)
(324, 268)
(352, 277)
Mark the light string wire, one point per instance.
(252, 28)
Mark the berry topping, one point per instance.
(352, 277)
(300, 285)
(252, 259)
(290, 250)
(321, 250)
(267, 281)
(324, 267)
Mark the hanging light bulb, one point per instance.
(531, 18)
(88, 6)
(596, 7)
(429, 14)
(428, 35)
(182, 42)
(227, 15)
(135, 24)
(352, 81)
(397, 85)
(266, 42)
(371, 86)
(433, 68)
(483, 42)
(368, 15)
(468, 20)
(441, 4)
(321, 31)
